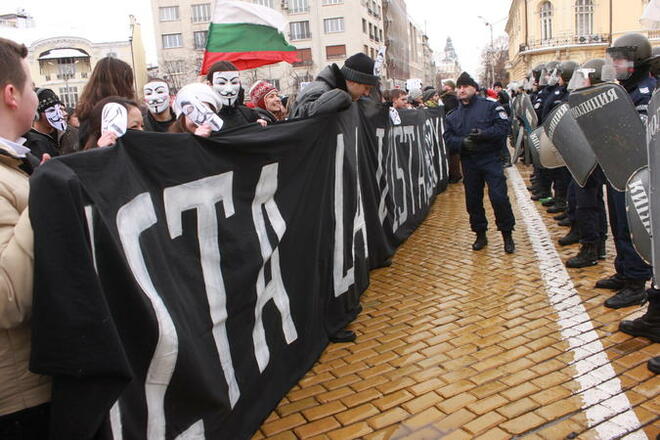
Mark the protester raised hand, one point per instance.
(107, 139)
(203, 130)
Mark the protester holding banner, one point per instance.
(24, 397)
(268, 104)
(50, 133)
(334, 89)
(159, 115)
(97, 137)
(225, 79)
(110, 77)
(476, 130)
(627, 61)
(196, 107)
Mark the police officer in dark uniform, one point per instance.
(590, 217)
(629, 56)
(476, 130)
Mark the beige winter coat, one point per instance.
(19, 389)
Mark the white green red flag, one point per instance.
(248, 35)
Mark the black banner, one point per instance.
(183, 285)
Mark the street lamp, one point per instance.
(491, 52)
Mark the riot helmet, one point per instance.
(549, 75)
(627, 53)
(536, 72)
(566, 70)
(587, 75)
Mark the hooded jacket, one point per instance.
(327, 94)
(19, 389)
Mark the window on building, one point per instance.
(380, 31)
(268, 3)
(66, 68)
(366, 49)
(546, 21)
(69, 96)
(298, 6)
(584, 17)
(201, 12)
(364, 25)
(332, 2)
(172, 40)
(332, 25)
(199, 39)
(305, 57)
(334, 52)
(299, 30)
(274, 82)
(371, 31)
(170, 13)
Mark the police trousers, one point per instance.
(479, 170)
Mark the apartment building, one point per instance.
(324, 31)
(578, 30)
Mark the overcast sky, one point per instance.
(103, 21)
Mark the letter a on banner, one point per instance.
(342, 281)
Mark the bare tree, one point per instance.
(496, 56)
(181, 71)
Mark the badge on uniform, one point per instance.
(503, 115)
(644, 90)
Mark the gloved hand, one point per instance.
(476, 135)
(469, 145)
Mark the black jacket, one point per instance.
(450, 101)
(41, 143)
(236, 116)
(327, 94)
(487, 116)
(151, 124)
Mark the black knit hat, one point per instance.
(466, 80)
(359, 68)
(47, 98)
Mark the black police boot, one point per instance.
(559, 206)
(541, 195)
(561, 216)
(615, 282)
(565, 222)
(654, 364)
(647, 325)
(602, 250)
(588, 256)
(572, 237)
(509, 245)
(343, 335)
(632, 294)
(480, 242)
(550, 202)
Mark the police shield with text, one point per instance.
(477, 130)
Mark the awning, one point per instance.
(63, 53)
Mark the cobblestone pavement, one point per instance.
(456, 344)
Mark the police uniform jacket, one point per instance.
(641, 91)
(557, 97)
(487, 116)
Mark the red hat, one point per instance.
(491, 93)
(258, 92)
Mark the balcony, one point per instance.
(565, 40)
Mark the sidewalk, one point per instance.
(456, 344)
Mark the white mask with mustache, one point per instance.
(157, 96)
(227, 85)
(55, 117)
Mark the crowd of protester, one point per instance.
(35, 126)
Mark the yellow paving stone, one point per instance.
(456, 344)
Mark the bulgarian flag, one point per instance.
(248, 35)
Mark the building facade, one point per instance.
(579, 30)
(64, 63)
(324, 31)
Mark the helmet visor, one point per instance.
(580, 79)
(619, 63)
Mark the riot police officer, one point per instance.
(628, 60)
(590, 217)
(476, 130)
